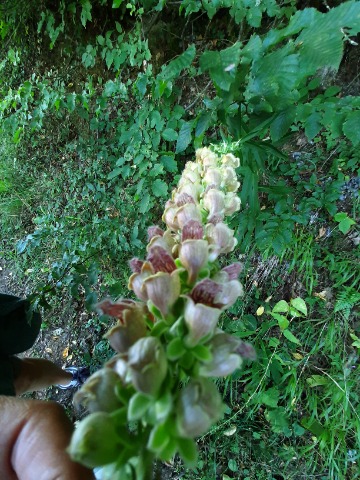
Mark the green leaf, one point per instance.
(138, 405)
(184, 138)
(114, 173)
(316, 380)
(159, 188)
(232, 465)
(281, 124)
(175, 349)
(299, 304)
(351, 127)
(169, 163)
(278, 420)
(169, 134)
(291, 337)
(281, 307)
(282, 321)
(188, 451)
(85, 15)
(144, 203)
(202, 353)
(345, 222)
(116, 3)
(313, 125)
(269, 398)
(159, 438)
(202, 123)
(163, 407)
(174, 68)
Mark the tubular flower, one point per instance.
(136, 281)
(194, 256)
(206, 158)
(163, 289)
(214, 202)
(148, 365)
(232, 203)
(98, 392)
(221, 239)
(225, 357)
(200, 319)
(131, 323)
(199, 406)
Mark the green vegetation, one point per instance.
(101, 105)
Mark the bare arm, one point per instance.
(33, 439)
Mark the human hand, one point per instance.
(34, 436)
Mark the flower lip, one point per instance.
(115, 309)
(205, 292)
(154, 231)
(192, 230)
(161, 260)
(136, 264)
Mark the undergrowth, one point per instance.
(102, 103)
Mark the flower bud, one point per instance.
(213, 176)
(97, 394)
(230, 160)
(214, 202)
(232, 203)
(95, 441)
(221, 239)
(194, 256)
(199, 407)
(206, 157)
(148, 365)
(229, 179)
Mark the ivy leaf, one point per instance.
(159, 188)
(184, 137)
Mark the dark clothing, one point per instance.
(19, 328)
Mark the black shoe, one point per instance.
(80, 375)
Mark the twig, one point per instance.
(198, 97)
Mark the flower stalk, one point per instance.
(168, 345)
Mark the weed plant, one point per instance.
(100, 104)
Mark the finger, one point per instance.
(37, 434)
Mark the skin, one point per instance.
(37, 374)
(34, 436)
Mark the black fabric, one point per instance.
(19, 328)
